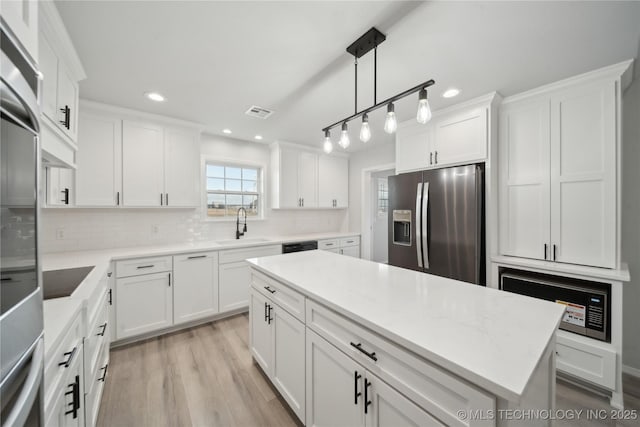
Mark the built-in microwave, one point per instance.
(588, 304)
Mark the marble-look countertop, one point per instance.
(491, 338)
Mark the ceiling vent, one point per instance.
(258, 112)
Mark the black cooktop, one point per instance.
(62, 283)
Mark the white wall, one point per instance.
(87, 229)
(631, 220)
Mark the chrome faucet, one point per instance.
(244, 230)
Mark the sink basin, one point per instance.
(241, 241)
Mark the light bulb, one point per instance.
(365, 131)
(344, 137)
(424, 111)
(328, 145)
(390, 124)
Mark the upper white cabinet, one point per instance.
(99, 160)
(456, 135)
(181, 167)
(60, 189)
(22, 18)
(559, 150)
(333, 182)
(142, 164)
(302, 178)
(61, 70)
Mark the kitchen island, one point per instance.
(352, 342)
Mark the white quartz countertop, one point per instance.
(491, 338)
(58, 315)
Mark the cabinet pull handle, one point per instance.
(329, 244)
(66, 196)
(367, 402)
(166, 199)
(545, 251)
(196, 256)
(161, 199)
(356, 394)
(436, 157)
(67, 117)
(104, 375)
(145, 266)
(431, 157)
(67, 362)
(75, 392)
(266, 316)
(269, 313)
(110, 297)
(358, 347)
(104, 328)
(273, 291)
(109, 274)
(118, 198)
(554, 253)
(169, 279)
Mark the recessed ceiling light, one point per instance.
(227, 131)
(258, 137)
(154, 96)
(450, 93)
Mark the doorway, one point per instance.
(379, 215)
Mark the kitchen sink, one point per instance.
(241, 241)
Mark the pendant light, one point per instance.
(365, 131)
(424, 111)
(328, 145)
(390, 124)
(344, 137)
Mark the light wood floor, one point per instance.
(204, 376)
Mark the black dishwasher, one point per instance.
(299, 246)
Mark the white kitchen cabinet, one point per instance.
(67, 407)
(349, 246)
(195, 286)
(68, 101)
(333, 182)
(413, 146)
(60, 186)
(181, 168)
(142, 164)
(353, 251)
(143, 304)
(235, 279)
(99, 160)
(260, 331)
(294, 177)
(308, 179)
(48, 63)
(559, 149)
(22, 18)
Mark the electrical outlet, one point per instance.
(155, 229)
(59, 233)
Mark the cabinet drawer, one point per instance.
(94, 387)
(284, 296)
(328, 244)
(97, 337)
(592, 363)
(62, 359)
(235, 255)
(432, 388)
(136, 267)
(350, 241)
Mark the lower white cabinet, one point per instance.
(278, 345)
(67, 409)
(235, 279)
(96, 383)
(587, 359)
(353, 251)
(143, 304)
(195, 290)
(349, 246)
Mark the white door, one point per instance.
(413, 146)
(181, 168)
(583, 180)
(143, 304)
(524, 180)
(48, 63)
(353, 251)
(99, 161)
(261, 332)
(333, 182)
(142, 164)
(390, 408)
(380, 216)
(333, 383)
(195, 286)
(22, 18)
(308, 179)
(461, 138)
(67, 101)
(235, 281)
(288, 177)
(288, 359)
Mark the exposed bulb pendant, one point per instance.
(365, 131)
(390, 124)
(328, 145)
(344, 137)
(424, 111)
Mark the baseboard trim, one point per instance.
(630, 370)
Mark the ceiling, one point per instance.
(213, 60)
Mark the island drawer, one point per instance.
(241, 254)
(350, 241)
(328, 244)
(140, 266)
(97, 334)
(290, 300)
(434, 389)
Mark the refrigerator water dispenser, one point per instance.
(402, 227)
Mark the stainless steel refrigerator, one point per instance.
(436, 222)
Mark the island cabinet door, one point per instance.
(387, 407)
(334, 385)
(260, 331)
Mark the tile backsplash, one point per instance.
(90, 229)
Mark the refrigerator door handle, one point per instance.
(418, 225)
(425, 224)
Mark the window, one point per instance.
(230, 187)
(383, 196)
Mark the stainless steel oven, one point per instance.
(21, 323)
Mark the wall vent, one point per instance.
(259, 112)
